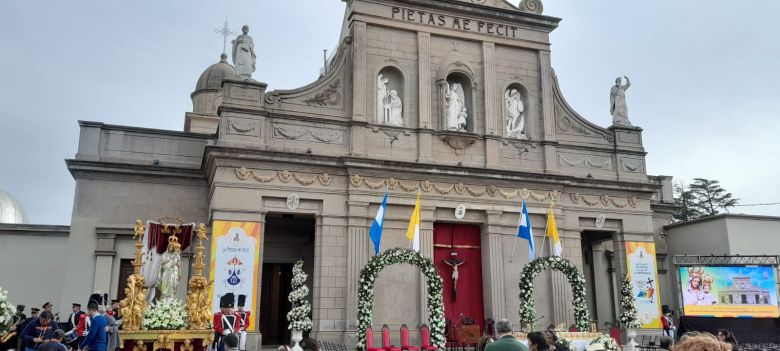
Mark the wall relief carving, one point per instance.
(604, 200)
(330, 96)
(285, 176)
(242, 126)
(306, 134)
(428, 186)
(585, 162)
(631, 165)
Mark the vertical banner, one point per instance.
(235, 257)
(643, 276)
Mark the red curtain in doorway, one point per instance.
(465, 241)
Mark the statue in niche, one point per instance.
(455, 107)
(381, 93)
(617, 102)
(389, 104)
(244, 54)
(395, 109)
(515, 114)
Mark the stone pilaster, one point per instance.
(493, 267)
(548, 113)
(359, 37)
(426, 249)
(425, 98)
(358, 253)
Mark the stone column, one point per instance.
(425, 98)
(104, 262)
(493, 267)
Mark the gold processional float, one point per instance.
(198, 334)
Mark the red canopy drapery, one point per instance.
(159, 240)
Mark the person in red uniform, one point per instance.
(226, 321)
(245, 315)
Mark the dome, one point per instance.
(212, 77)
(11, 211)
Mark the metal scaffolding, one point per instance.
(726, 260)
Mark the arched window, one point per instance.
(390, 97)
(516, 108)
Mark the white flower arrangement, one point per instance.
(166, 314)
(299, 314)
(568, 344)
(609, 343)
(532, 269)
(7, 311)
(369, 274)
(628, 316)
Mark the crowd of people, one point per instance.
(97, 329)
(548, 340)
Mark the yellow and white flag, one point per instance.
(552, 233)
(413, 232)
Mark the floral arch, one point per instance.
(576, 280)
(370, 273)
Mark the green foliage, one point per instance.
(702, 198)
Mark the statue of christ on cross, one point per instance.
(454, 262)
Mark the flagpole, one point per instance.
(546, 226)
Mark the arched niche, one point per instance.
(457, 102)
(516, 109)
(390, 98)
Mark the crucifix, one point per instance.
(226, 32)
(453, 262)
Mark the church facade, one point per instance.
(452, 99)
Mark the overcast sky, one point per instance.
(705, 74)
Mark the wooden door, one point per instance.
(466, 301)
(125, 271)
(275, 288)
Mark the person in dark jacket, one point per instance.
(96, 339)
(506, 340)
(38, 331)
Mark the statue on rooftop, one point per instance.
(244, 54)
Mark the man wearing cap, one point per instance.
(244, 315)
(226, 321)
(20, 344)
(73, 323)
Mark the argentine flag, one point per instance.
(524, 231)
(376, 228)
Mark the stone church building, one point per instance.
(455, 99)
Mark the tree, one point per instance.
(710, 196)
(686, 203)
(702, 198)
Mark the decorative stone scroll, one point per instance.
(604, 200)
(330, 96)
